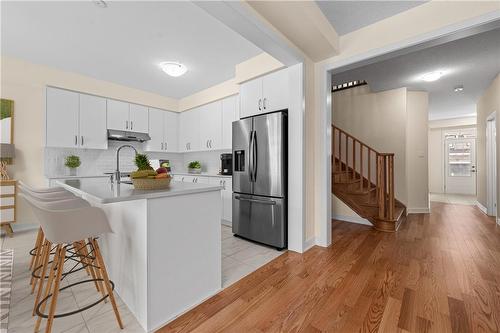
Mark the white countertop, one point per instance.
(76, 177)
(101, 190)
(203, 174)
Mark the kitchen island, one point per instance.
(164, 254)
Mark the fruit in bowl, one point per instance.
(161, 170)
(146, 178)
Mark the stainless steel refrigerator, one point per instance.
(260, 179)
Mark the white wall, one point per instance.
(436, 161)
(417, 111)
(487, 104)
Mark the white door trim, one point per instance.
(491, 167)
(323, 70)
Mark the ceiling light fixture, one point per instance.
(458, 89)
(100, 3)
(172, 68)
(432, 76)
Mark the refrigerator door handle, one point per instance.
(251, 157)
(264, 202)
(255, 156)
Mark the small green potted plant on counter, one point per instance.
(194, 167)
(72, 162)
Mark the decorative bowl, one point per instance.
(151, 184)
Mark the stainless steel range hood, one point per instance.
(127, 136)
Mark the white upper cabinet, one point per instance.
(75, 120)
(251, 98)
(163, 130)
(229, 114)
(138, 118)
(93, 133)
(265, 94)
(156, 130)
(171, 131)
(189, 130)
(211, 126)
(118, 115)
(275, 91)
(62, 118)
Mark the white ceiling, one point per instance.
(124, 42)
(472, 62)
(348, 16)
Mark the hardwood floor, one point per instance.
(439, 273)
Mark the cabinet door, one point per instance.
(138, 118)
(156, 131)
(171, 128)
(184, 131)
(93, 133)
(203, 180)
(251, 98)
(62, 118)
(210, 119)
(192, 130)
(117, 115)
(229, 114)
(275, 91)
(227, 199)
(188, 179)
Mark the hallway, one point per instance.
(439, 273)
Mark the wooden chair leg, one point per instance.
(87, 261)
(61, 254)
(38, 249)
(107, 284)
(37, 259)
(77, 246)
(52, 272)
(45, 263)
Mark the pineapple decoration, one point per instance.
(145, 170)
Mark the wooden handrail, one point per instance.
(383, 164)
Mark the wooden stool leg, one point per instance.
(52, 272)
(77, 246)
(107, 284)
(61, 254)
(45, 263)
(87, 261)
(38, 261)
(38, 249)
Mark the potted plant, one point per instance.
(194, 167)
(72, 162)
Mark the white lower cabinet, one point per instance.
(227, 196)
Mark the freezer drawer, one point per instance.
(260, 219)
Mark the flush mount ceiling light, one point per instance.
(100, 3)
(432, 76)
(458, 89)
(173, 68)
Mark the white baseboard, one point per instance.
(352, 219)
(481, 207)
(423, 210)
(226, 223)
(309, 243)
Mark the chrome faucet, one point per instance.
(117, 172)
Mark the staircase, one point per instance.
(363, 179)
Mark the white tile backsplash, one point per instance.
(96, 161)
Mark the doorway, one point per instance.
(491, 165)
(460, 166)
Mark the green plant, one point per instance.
(72, 161)
(194, 165)
(142, 162)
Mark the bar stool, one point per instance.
(63, 228)
(45, 195)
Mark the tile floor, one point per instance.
(239, 258)
(459, 199)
